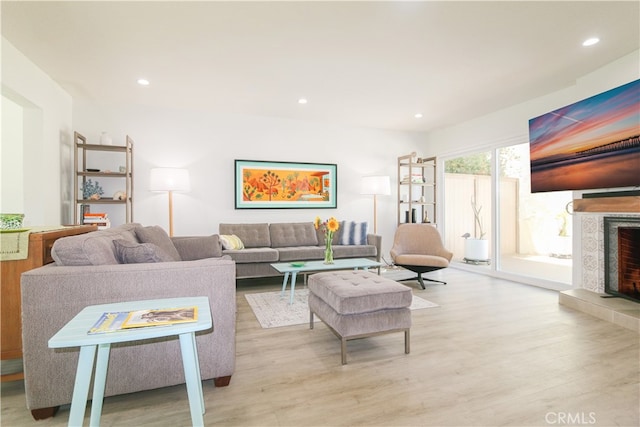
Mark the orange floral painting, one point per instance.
(260, 184)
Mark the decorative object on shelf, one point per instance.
(425, 219)
(376, 185)
(122, 169)
(119, 195)
(413, 216)
(422, 199)
(329, 227)
(170, 180)
(91, 190)
(11, 221)
(105, 139)
(278, 185)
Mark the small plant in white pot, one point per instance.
(476, 248)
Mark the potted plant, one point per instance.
(562, 243)
(476, 248)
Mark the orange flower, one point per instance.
(333, 225)
(317, 222)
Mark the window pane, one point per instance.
(467, 207)
(535, 229)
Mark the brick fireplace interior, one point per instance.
(622, 257)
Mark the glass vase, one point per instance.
(328, 253)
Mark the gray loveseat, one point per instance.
(265, 244)
(87, 272)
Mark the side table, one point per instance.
(74, 334)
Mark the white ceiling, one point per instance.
(371, 64)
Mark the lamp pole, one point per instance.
(170, 213)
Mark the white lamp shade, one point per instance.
(169, 179)
(377, 185)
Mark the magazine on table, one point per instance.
(118, 321)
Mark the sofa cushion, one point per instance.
(231, 241)
(95, 248)
(321, 236)
(156, 235)
(192, 248)
(301, 253)
(293, 234)
(253, 255)
(252, 235)
(353, 233)
(134, 253)
(354, 251)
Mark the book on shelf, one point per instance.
(413, 179)
(96, 215)
(98, 218)
(123, 320)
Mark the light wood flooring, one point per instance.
(495, 353)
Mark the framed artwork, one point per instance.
(285, 185)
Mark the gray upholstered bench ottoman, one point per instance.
(357, 304)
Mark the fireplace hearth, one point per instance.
(622, 257)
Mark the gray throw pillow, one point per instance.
(156, 235)
(134, 253)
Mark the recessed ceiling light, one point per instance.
(143, 82)
(302, 101)
(418, 115)
(591, 41)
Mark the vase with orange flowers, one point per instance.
(329, 227)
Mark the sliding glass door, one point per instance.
(527, 235)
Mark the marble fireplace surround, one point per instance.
(589, 285)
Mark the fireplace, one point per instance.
(622, 257)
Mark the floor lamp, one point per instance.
(378, 186)
(169, 180)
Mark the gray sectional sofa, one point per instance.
(265, 244)
(89, 271)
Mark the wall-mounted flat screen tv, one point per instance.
(593, 143)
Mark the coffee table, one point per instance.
(316, 266)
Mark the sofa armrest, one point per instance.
(375, 240)
(192, 248)
(52, 295)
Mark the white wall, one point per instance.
(207, 145)
(47, 136)
(11, 187)
(510, 126)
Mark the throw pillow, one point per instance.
(231, 241)
(156, 235)
(134, 253)
(353, 233)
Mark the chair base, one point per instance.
(419, 270)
